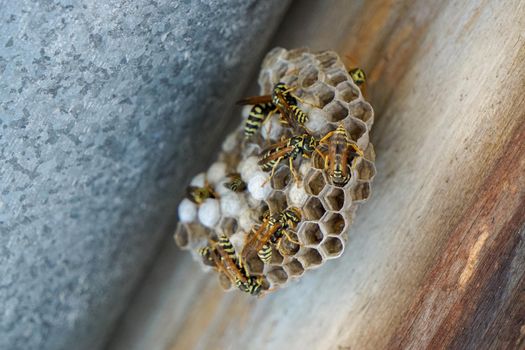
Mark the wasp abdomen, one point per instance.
(256, 118)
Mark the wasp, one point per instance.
(302, 145)
(281, 100)
(198, 194)
(358, 76)
(271, 231)
(235, 184)
(341, 151)
(223, 257)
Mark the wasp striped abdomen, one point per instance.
(235, 184)
(227, 247)
(341, 157)
(265, 254)
(256, 118)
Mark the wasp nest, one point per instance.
(330, 98)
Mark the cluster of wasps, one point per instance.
(337, 150)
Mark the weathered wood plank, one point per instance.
(478, 286)
(436, 258)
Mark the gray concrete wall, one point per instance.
(106, 108)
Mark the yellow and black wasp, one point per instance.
(358, 76)
(342, 155)
(272, 230)
(223, 257)
(235, 184)
(295, 146)
(281, 100)
(198, 194)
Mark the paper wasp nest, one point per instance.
(331, 97)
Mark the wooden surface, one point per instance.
(436, 258)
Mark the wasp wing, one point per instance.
(276, 154)
(253, 100)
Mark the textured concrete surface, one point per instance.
(105, 108)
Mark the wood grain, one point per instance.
(436, 258)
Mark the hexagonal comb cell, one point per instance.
(281, 68)
(310, 234)
(277, 202)
(361, 192)
(313, 209)
(287, 247)
(281, 178)
(311, 258)
(336, 111)
(294, 268)
(333, 224)
(277, 258)
(332, 248)
(317, 159)
(187, 234)
(295, 54)
(181, 235)
(277, 276)
(314, 183)
(308, 76)
(335, 199)
(254, 265)
(347, 91)
(323, 93)
(274, 54)
(228, 226)
(355, 127)
(366, 170)
(327, 59)
(335, 76)
(360, 110)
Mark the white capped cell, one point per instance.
(238, 240)
(245, 221)
(297, 195)
(248, 167)
(245, 112)
(216, 172)
(259, 186)
(209, 212)
(198, 180)
(187, 210)
(232, 204)
(230, 142)
(221, 189)
(272, 129)
(317, 121)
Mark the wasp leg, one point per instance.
(290, 238)
(326, 137)
(357, 149)
(296, 177)
(279, 244)
(320, 153)
(290, 89)
(305, 102)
